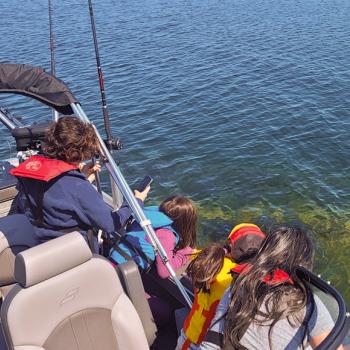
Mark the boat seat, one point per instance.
(129, 275)
(8, 189)
(67, 298)
(8, 192)
(16, 235)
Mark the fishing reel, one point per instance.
(114, 144)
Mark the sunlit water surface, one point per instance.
(243, 105)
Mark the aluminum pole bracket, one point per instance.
(145, 223)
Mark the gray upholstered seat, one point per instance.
(8, 192)
(16, 235)
(130, 278)
(68, 299)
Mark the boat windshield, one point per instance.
(336, 306)
(341, 326)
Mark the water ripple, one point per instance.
(242, 104)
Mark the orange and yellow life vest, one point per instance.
(204, 306)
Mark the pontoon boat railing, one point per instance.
(342, 323)
(134, 205)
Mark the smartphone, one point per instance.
(147, 180)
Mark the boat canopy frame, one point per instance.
(53, 92)
(34, 82)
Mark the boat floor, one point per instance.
(166, 338)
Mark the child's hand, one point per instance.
(89, 170)
(142, 195)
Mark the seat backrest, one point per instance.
(130, 278)
(68, 299)
(16, 235)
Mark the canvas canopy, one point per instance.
(34, 82)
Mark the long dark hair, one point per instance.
(285, 248)
(183, 212)
(205, 266)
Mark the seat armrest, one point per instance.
(3, 345)
(130, 278)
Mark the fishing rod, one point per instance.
(116, 174)
(111, 142)
(55, 114)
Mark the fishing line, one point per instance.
(111, 142)
(52, 51)
(101, 81)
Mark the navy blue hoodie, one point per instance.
(70, 200)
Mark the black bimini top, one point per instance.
(34, 82)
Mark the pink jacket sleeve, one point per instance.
(181, 257)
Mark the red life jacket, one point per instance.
(41, 168)
(278, 276)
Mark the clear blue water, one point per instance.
(241, 104)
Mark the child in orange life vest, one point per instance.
(210, 274)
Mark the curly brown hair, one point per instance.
(71, 140)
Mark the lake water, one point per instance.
(243, 105)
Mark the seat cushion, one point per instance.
(47, 308)
(89, 329)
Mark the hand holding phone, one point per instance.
(140, 191)
(147, 180)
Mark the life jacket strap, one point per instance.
(215, 338)
(90, 237)
(131, 247)
(38, 216)
(37, 211)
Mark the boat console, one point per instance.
(31, 137)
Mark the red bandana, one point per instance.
(279, 276)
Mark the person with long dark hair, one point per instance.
(268, 306)
(210, 274)
(55, 190)
(175, 224)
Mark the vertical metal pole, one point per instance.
(134, 205)
(116, 194)
(6, 121)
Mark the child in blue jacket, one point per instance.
(54, 190)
